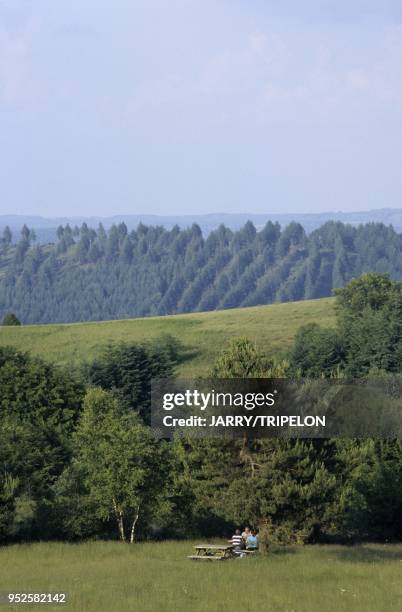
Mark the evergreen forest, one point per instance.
(90, 274)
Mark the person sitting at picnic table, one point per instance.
(245, 534)
(236, 540)
(252, 541)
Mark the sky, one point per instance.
(199, 106)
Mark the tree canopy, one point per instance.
(368, 336)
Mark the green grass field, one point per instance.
(158, 577)
(203, 334)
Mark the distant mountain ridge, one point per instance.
(45, 227)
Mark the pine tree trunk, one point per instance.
(246, 457)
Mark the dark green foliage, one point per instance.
(367, 341)
(95, 275)
(204, 470)
(368, 335)
(317, 352)
(49, 485)
(123, 470)
(369, 291)
(293, 484)
(299, 491)
(240, 360)
(370, 322)
(370, 343)
(10, 319)
(371, 500)
(39, 407)
(128, 369)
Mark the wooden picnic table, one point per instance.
(213, 552)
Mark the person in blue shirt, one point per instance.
(252, 541)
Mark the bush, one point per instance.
(10, 319)
(271, 535)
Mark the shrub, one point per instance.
(10, 319)
(271, 535)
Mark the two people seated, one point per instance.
(248, 540)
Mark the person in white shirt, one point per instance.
(245, 534)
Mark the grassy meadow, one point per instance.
(149, 577)
(203, 334)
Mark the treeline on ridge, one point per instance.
(97, 275)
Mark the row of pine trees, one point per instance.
(95, 275)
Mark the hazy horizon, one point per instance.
(193, 107)
(202, 214)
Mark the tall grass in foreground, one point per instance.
(105, 576)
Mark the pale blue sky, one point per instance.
(179, 106)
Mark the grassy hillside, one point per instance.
(203, 334)
(158, 576)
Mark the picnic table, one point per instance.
(213, 552)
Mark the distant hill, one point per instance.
(91, 275)
(203, 334)
(45, 228)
